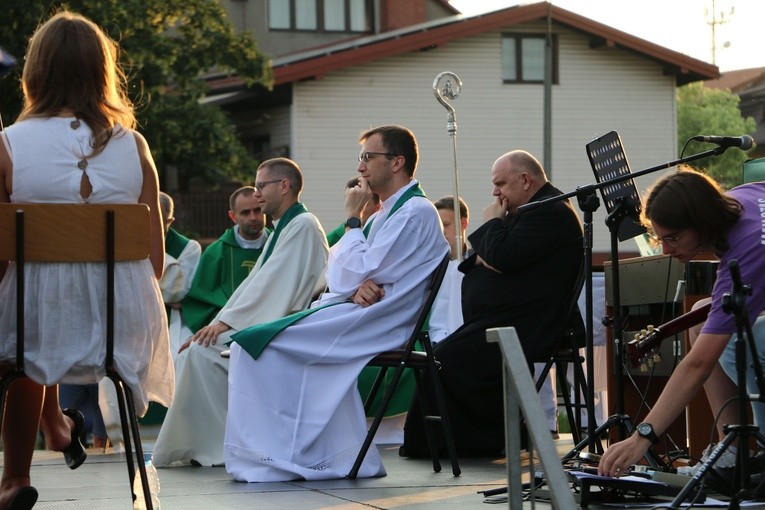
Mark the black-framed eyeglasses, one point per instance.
(366, 156)
(263, 184)
(672, 240)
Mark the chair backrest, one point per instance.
(574, 325)
(75, 232)
(434, 284)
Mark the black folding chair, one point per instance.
(79, 233)
(422, 363)
(567, 352)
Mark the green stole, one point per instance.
(175, 243)
(223, 266)
(255, 338)
(293, 211)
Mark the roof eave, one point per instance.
(686, 69)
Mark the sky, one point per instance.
(681, 25)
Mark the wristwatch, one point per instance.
(646, 430)
(353, 222)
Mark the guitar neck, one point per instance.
(683, 322)
(640, 348)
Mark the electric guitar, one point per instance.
(643, 349)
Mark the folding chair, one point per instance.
(567, 352)
(79, 233)
(419, 362)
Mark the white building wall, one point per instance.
(599, 91)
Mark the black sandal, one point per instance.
(74, 454)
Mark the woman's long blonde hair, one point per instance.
(71, 64)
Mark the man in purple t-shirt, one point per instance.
(690, 214)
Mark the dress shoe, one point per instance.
(25, 498)
(74, 454)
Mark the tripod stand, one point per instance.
(734, 303)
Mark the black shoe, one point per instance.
(74, 454)
(25, 498)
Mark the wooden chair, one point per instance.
(79, 233)
(567, 352)
(422, 363)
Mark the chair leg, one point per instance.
(445, 424)
(428, 420)
(571, 410)
(129, 423)
(374, 389)
(353, 473)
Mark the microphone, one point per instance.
(744, 142)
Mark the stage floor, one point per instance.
(101, 483)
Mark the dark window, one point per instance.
(523, 58)
(320, 15)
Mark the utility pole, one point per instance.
(713, 23)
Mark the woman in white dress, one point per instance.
(74, 142)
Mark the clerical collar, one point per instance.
(246, 243)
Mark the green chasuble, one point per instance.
(255, 338)
(223, 266)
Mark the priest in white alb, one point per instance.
(295, 411)
(288, 274)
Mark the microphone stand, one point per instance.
(589, 202)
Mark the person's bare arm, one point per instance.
(150, 196)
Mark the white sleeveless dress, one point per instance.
(65, 303)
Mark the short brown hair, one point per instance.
(246, 191)
(447, 203)
(397, 140)
(285, 168)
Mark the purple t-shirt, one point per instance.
(746, 242)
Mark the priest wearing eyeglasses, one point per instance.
(294, 409)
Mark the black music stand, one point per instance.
(623, 204)
(612, 172)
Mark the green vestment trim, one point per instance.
(294, 210)
(255, 338)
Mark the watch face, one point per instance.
(644, 429)
(353, 223)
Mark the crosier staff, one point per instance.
(451, 86)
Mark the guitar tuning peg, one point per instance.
(637, 336)
(650, 362)
(643, 332)
(657, 358)
(650, 328)
(643, 368)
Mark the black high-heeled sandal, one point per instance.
(25, 498)
(74, 454)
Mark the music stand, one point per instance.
(612, 172)
(608, 162)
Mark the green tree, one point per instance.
(707, 111)
(168, 48)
